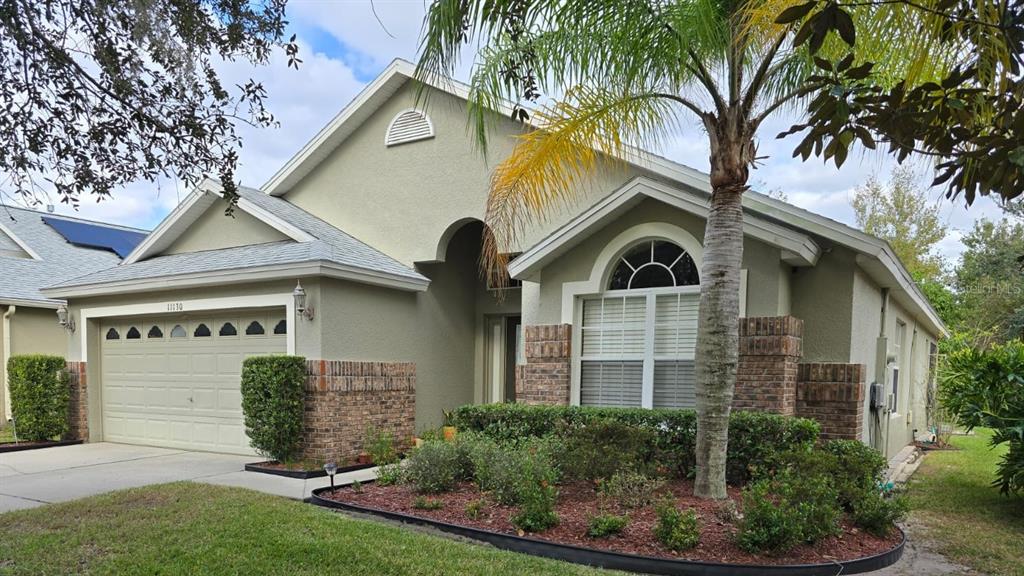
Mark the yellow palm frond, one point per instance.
(580, 135)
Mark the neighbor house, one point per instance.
(361, 254)
(36, 250)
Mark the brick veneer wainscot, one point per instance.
(833, 394)
(344, 399)
(544, 379)
(770, 348)
(78, 404)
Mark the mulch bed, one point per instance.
(577, 502)
(32, 445)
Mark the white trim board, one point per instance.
(243, 275)
(21, 243)
(197, 304)
(798, 249)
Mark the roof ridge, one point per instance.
(74, 218)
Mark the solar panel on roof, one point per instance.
(87, 235)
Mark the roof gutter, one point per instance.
(241, 276)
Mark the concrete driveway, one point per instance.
(36, 477)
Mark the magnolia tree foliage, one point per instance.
(97, 94)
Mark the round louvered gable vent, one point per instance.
(409, 126)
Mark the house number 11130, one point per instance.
(175, 306)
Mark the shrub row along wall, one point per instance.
(346, 399)
(754, 437)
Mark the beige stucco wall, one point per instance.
(33, 331)
(822, 296)
(403, 199)
(441, 330)
(215, 230)
(760, 260)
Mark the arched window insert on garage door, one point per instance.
(639, 335)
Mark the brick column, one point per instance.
(832, 394)
(770, 348)
(544, 379)
(345, 399)
(78, 404)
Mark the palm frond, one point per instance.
(552, 166)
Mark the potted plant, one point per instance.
(448, 430)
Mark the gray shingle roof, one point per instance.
(330, 245)
(22, 278)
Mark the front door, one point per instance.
(501, 356)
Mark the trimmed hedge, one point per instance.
(755, 438)
(39, 396)
(273, 402)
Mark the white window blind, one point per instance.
(638, 350)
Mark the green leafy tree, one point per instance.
(901, 214)
(624, 74)
(985, 387)
(97, 94)
(990, 279)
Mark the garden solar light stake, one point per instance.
(331, 468)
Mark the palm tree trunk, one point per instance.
(718, 336)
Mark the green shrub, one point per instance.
(788, 509)
(475, 509)
(272, 402)
(424, 503)
(985, 387)
(754, 437)
(433, 467)
(498, 470)
(604, 525)
(380, 445)
(39, 396)
(878, 514)
(858, 469)
(602, 448)
(676, 529)
(537, 512)
(389, 474)
(631, 489)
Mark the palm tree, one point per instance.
(627, 72)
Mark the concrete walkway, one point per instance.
(36, 477)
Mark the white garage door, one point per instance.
(176, 381)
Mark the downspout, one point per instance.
(879, 440)
(11, 310)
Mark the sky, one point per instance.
(344, 45)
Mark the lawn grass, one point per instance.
(6, 433)
(189, 528)
(952, 497)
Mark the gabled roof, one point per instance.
(876, 256)
(315, 248)
(797, 249)
(51, 257)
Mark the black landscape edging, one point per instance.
(627, 562)
(19, 446)
(303, 474)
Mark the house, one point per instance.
(36, 250)
(361, 254)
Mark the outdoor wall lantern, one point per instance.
(331, 468)
(65, 319)
(300, 302)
